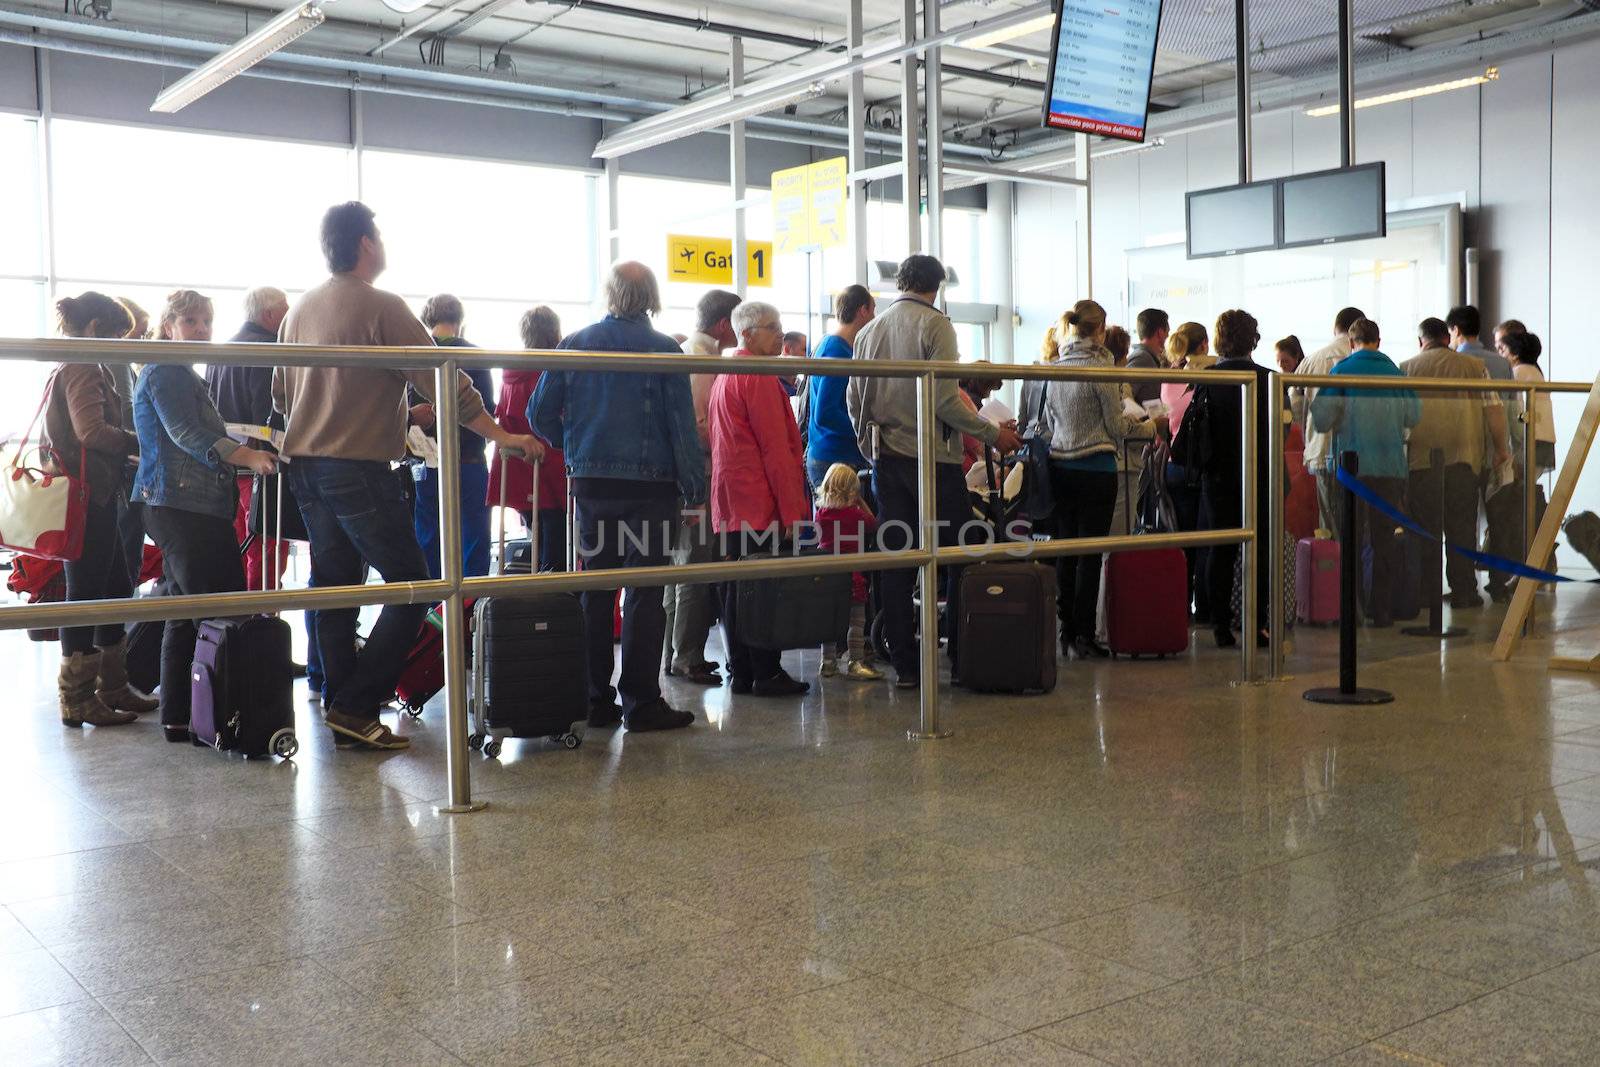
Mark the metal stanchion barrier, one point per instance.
(1436, 626)
(447, 414)
(1276, 463)
(928, 578)
(1530, 475)
(1349, 574)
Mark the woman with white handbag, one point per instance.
(84, 431)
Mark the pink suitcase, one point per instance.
(1147, 613)
(1316, 581)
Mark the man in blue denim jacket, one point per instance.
(635, 462)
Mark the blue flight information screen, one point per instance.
(1101, 67)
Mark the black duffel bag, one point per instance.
(800, 611)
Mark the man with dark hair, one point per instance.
(1318, 456)
(830, 438)
(884, 411)
(1457, 425)
(637, 468)
(1153, 326)
(692, 609)
(1502, 512)
(1372, 423)
(443, 315)
(344, 427)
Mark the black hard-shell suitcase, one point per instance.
(1007, 627)
(242, 687)
(529, 677)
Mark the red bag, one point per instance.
(1147, 611)
(42, 508)
(1300, 505)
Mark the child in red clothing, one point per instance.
(845, 524)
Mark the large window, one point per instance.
(483, 230)
(167, 208)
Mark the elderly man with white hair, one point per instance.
(758, 489)
(635, 465)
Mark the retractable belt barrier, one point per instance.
(1499, 563)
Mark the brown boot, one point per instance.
(76, 685)
(113, 688)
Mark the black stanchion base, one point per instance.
(1335, 695)
(1428, 631)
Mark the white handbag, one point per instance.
(42, 509)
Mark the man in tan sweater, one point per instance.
(345, 425)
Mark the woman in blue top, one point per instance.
(186, 482)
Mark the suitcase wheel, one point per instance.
(475, 742)
(491, 748)
(571, 740)
(415, 713)
(283, 744)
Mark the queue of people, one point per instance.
(662, 466)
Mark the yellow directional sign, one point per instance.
(808, 205)
(709, 260)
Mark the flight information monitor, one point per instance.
(1233, 219)
(1101, 65)
(1334, 205)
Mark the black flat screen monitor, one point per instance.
(1102, 63)
(1233, 219)
(1334, 205)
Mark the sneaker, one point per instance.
(355, 732)
(1500, 595)
(1083, 648)
(700, 676)
(830, 668)
(907, 681)
(779, 685)
(657, 715)
(1463, 601)
(858, 671)
(604, 716)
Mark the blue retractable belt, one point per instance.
(1499, 563)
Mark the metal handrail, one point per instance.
(452, 587)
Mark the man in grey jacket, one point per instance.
(1502, 511)
(1153, 327)
(884, 411)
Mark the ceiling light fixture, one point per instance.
(287, 27)
(1492, 74)
(646, 133)
(1008, 33)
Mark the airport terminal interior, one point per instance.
(1115, 850)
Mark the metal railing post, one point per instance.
(1249, 548)
(447, 419)
(927, 524)
(1529, 477)
(1276, 622)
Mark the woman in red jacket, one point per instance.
(541, 329)
(758, 485)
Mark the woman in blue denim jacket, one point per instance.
(186, 482)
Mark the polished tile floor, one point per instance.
(1148, 866)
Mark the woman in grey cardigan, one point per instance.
(1087, 423)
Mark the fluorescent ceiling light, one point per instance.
(647, 133)
(1492, 74)
(1008, 33)
(287, 27)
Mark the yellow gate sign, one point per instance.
(709, 260)
(808, 205)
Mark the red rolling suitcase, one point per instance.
(1146, 609)
(1147, 597)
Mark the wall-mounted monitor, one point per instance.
(1102, 61)
(1233, 219)
(1333, 205)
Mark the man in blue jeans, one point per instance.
(345, 426)
(884, 412)
(637, 469)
